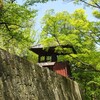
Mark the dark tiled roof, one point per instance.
(41, 50)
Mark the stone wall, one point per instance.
(22, 80)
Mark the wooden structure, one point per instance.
(48, 58)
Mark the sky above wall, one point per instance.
(58, 6)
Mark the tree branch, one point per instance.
(90, 4)
(7, 27)
(91, 36)
(11, 36)
(11, 24)
(83, 63)
(96, 4)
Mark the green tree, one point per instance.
(72, 29)
(16, 22)
(75, 30)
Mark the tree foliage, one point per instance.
(32, 2)
(74, 29)
(16, 35)
(16, 21)
(94, 4)
(84, 35)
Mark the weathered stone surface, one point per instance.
(22, 80)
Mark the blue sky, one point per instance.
(58, 6)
